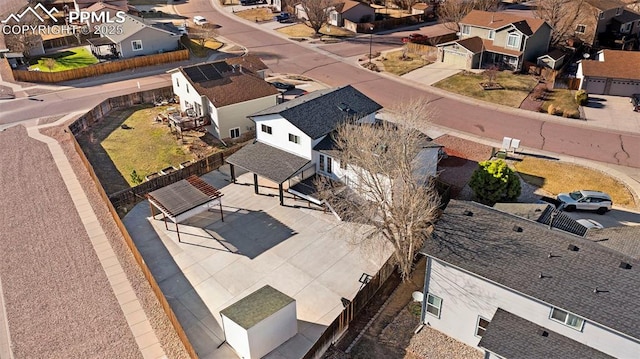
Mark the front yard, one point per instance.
(555, 177)
(516, 87)
(563, 102)
(394, 62)
(258, 14)
(303, 30)
(66, 60)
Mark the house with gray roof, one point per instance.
(136, 37)
(516, 288)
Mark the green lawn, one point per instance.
(564, 103)
(62, 61)
(393, 62)
(516, 87)
(147, 147)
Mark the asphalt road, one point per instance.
(284, 56)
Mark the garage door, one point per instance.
(456, 59)
(595, 86)
(624, 88)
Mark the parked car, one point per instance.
(283, 17)
(585, 200)
(283, 85)
(252, 2)
(200, 20)
(635, 101)
(590, 223)
(416, 38)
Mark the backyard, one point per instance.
(394, 62)
(61, 61)
(131, 139)
(515, 87)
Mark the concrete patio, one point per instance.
(301, 251)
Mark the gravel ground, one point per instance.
(58, 301)
(431, 344)
(159, 321)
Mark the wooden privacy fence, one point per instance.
(101, 68)
(136, 254)
(135, 194)
(365, 27)
(341, 323)
(97, 113)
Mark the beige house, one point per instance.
(496, 38)
(226, 92)
(351, 10)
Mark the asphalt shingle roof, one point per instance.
(617, 64)
(486, 244)
(267, 161)
(498, 20)
(513, 337)
(542, 213)
(318, 113)
(625, 240)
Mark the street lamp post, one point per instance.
(370, 41)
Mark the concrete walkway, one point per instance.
(139, 324)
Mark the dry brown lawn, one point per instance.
(257, 14)
(556, 177)
(303, 30)
(393, 62)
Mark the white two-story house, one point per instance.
(294, 139)
(226, 91)
(503, 39)
(515, 288)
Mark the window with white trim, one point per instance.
(434, 305)
(234, 132)
(321, 164)
(580, 29)
(513, 40)
(492, 34)
(566, 318)
(466, 29)
(329, 161)
(481, 326)
(294, 138)
(266, 129)
(136, 45)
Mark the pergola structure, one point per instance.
(268, 162)
(184, 199)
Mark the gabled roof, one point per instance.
(318, 113)
(617, 64)
(606, 4)
(420, 6)
(625, 240)
(489, 46)
(223, 84)
(510, 336)
(555, 54)
(100, 6)
(132, 25)
(498, 20)
(626, 17)
(346, 5)
(539, 262)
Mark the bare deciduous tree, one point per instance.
(404, 4)
(23, 41)
(206, 32)
(451, 12)
(562, 15)
(316, 12)
(388, 192)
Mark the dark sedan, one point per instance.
(283, 86)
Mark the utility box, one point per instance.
(260, 322)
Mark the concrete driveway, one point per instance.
(430, 74)
(612, 112)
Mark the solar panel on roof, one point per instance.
(195, 75)
(210, 72)
(222, 67)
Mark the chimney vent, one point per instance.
(517, 229)
(573, 248)
(468, 213)
(625, 265)
(544, 333)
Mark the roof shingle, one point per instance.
(497, 20)
(487, 244)
(617, 64)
